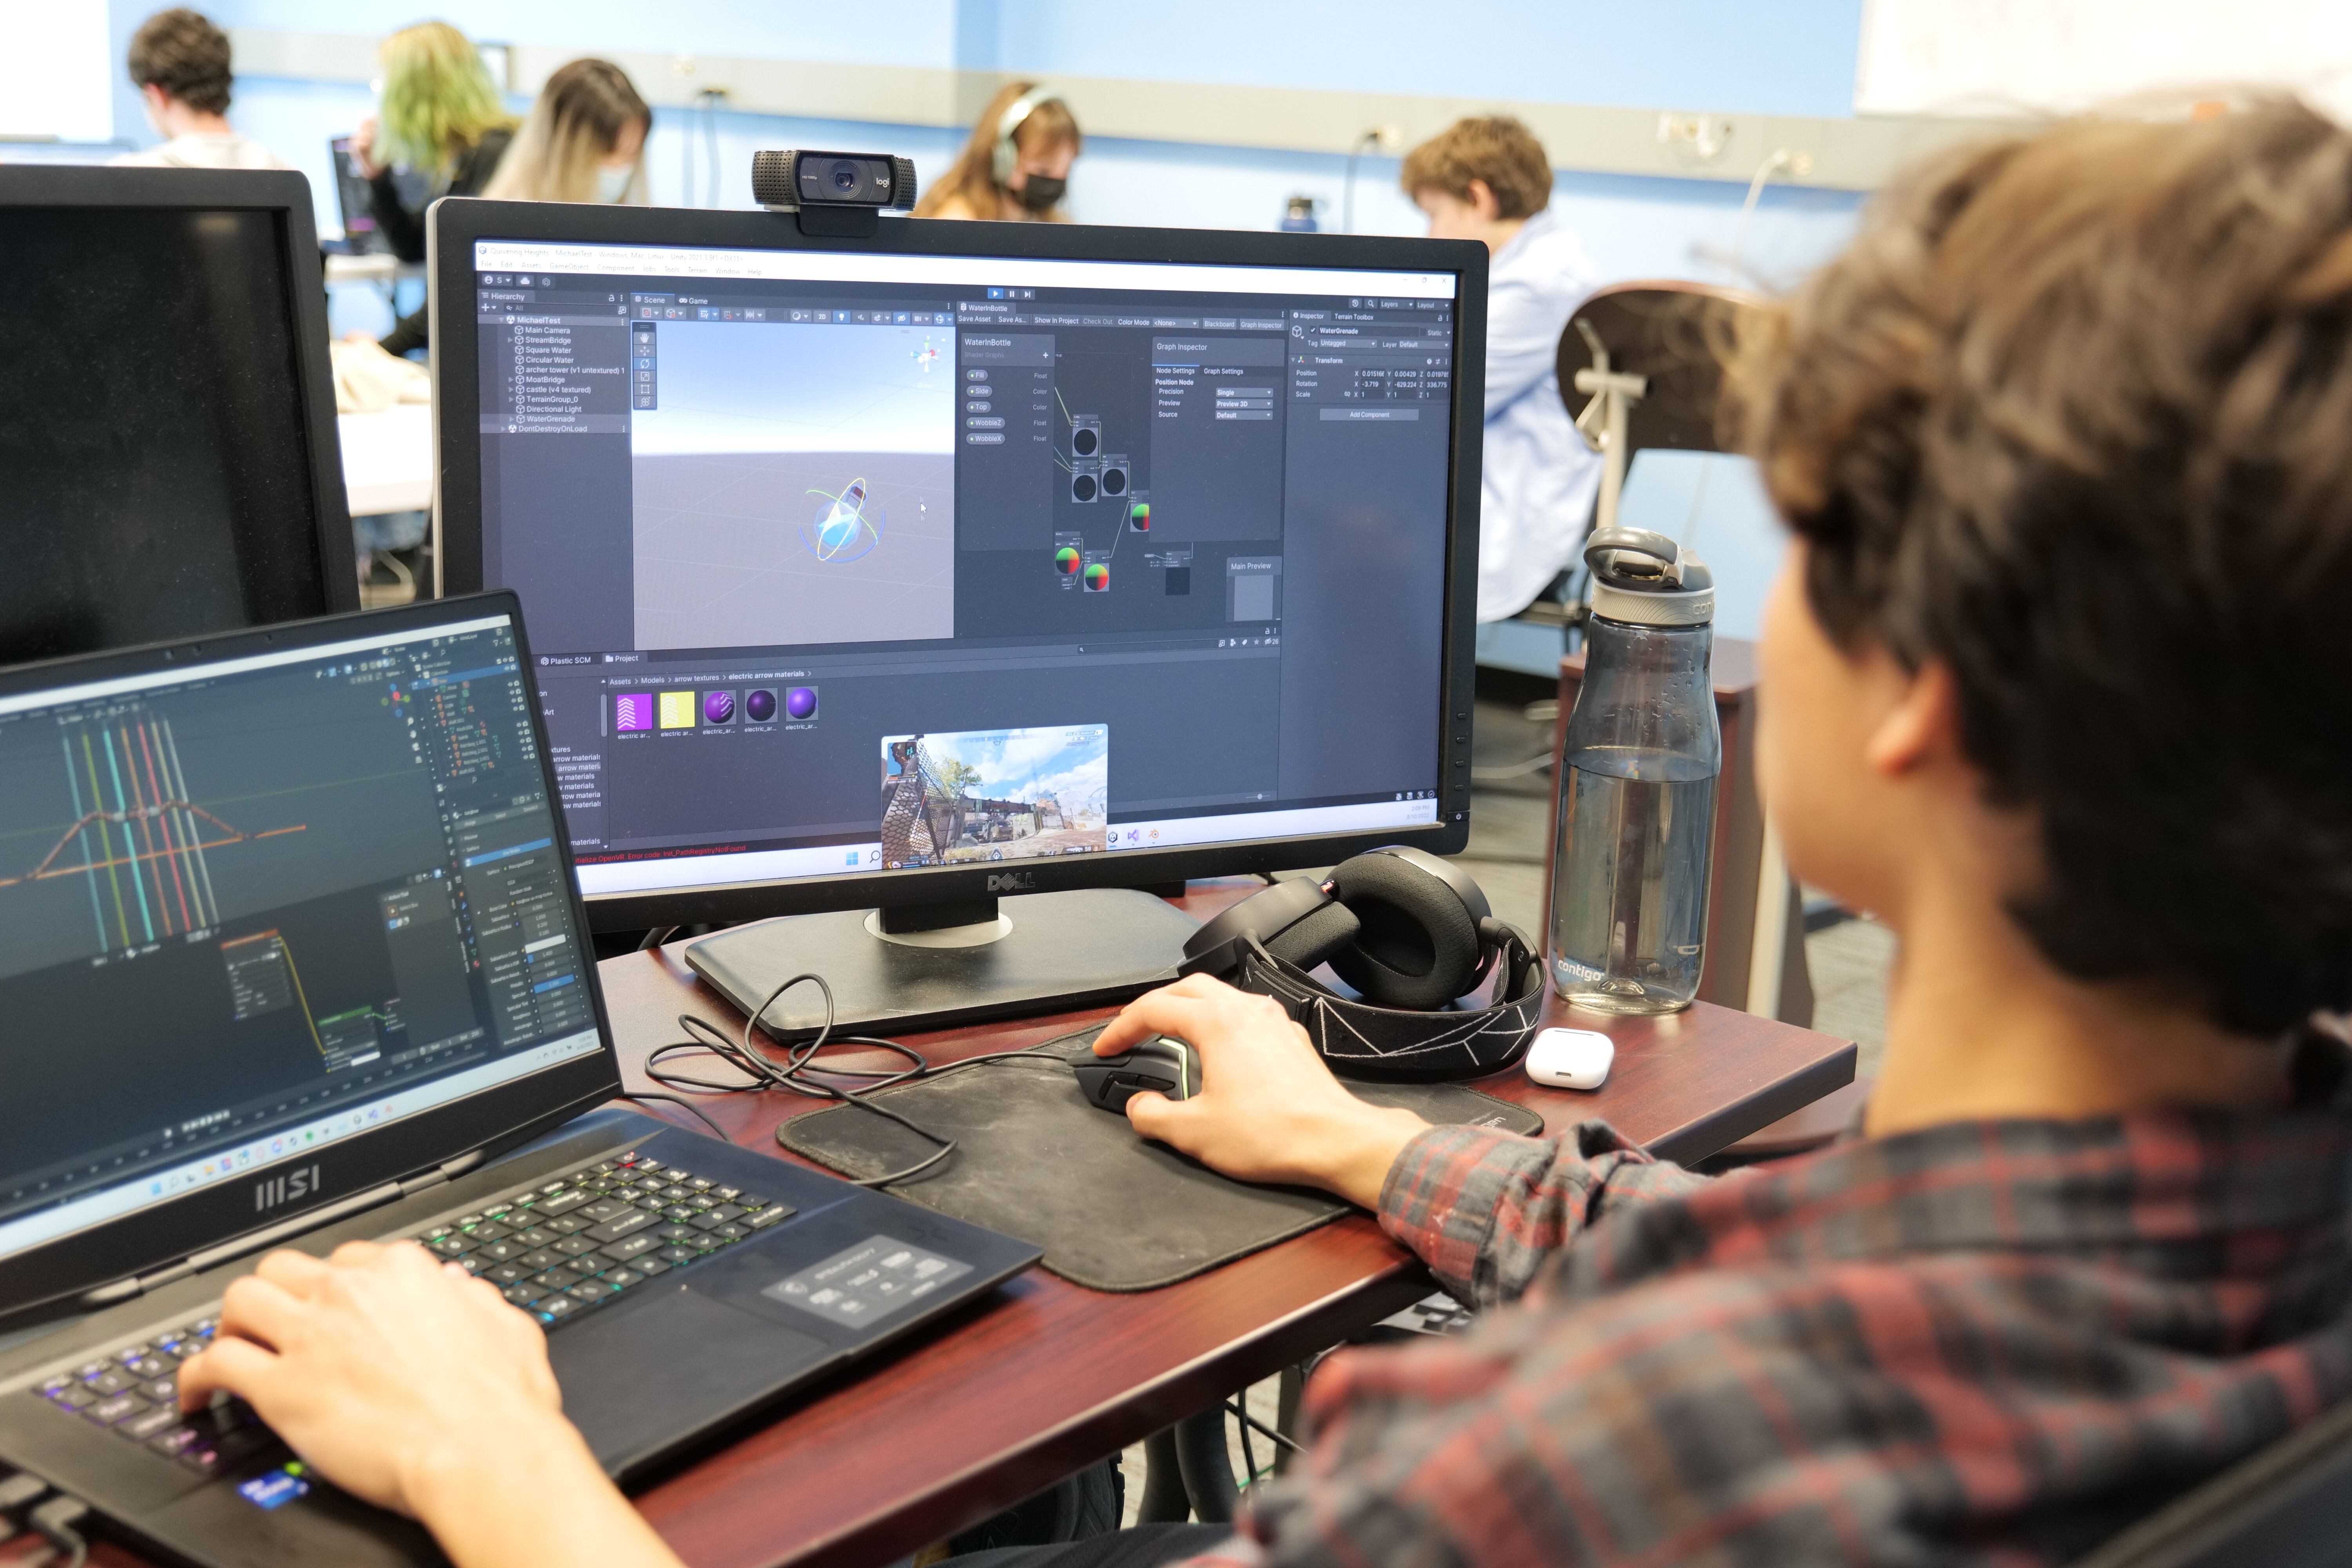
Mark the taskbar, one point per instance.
(669, 871)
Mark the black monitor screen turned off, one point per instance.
(1113, 555)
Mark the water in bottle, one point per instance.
(1638, 769)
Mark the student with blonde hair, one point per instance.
(1016, 167)
(443, 125)
(584, 140)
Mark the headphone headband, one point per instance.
(1008, 153)
(1378, 912)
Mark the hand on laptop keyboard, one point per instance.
(381, 1329)
(417, 1388)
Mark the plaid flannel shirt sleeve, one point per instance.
(1485, 1209)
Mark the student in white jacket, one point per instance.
(1487, 179)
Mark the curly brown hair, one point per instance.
(2073, 416)
(1494, 148)
(183, 53)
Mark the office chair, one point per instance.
(2288, 1505)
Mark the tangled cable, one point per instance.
(763, 1072)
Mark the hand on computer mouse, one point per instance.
(1266, 1108)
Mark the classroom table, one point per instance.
(1043, 1377)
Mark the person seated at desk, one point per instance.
(180, 63)
(2059, 442)
(1487, 179)
(584, 140)
(1016, 167)
(441, 123)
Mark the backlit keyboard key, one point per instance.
(107, 1412)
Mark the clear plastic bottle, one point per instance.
(1637, 775)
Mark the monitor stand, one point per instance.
(932, 966)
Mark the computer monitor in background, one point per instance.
(168, 457)
(360, 235)
(969, 559)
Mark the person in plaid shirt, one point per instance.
(2053, 682)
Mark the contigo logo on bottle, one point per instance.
(285, 1189)
(1011, 881)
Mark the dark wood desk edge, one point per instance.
(978, 1492)
(1695, 1140)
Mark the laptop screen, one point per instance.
(253, 907)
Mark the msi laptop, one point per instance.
(290, 953)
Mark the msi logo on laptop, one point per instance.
(285, 1189)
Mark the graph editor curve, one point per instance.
(149, 843)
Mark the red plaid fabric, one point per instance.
(1987, 1342)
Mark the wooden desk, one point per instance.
(1047, 1376)
(1018, 1394)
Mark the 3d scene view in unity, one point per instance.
(995, 795)
(796, 485)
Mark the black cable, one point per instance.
(715, 1131)
(56, 1519)
(654, 938)
(1234, 1406)
(800, 1061)
(1249, 1454)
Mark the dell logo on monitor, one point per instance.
(1011, 881)
(285, 1189)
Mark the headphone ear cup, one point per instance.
(1417, 947)
(1318, 937)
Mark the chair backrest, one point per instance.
(2288, 1505)
(1670, 332)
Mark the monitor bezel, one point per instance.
(284, 195)
(47, 1279)
(455, 224)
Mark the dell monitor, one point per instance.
(901, 573)
(169, 463)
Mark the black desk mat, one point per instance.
(1112, 1211)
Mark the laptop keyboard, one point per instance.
(556, 1251)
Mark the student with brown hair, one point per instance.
(1487, 179)
(180, 63)
(2053, 682)
(1017, 165)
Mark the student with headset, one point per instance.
(2059, 440)
(1016, 167)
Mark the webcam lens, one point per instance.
(845, 176)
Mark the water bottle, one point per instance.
(1637, 772)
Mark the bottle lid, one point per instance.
(1647, 580)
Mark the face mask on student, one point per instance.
(1038, 193)
(612, 183)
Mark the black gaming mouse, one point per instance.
(1164, 1063)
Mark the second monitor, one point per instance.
(970, 558)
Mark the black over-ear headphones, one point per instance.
(1408, 931)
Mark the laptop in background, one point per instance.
(291, 953)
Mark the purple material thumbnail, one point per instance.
(759, 707)
(717, 707)
(800, 702)
(634, 712)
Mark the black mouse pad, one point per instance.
(1113, 1212)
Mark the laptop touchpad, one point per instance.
(636, 1383)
